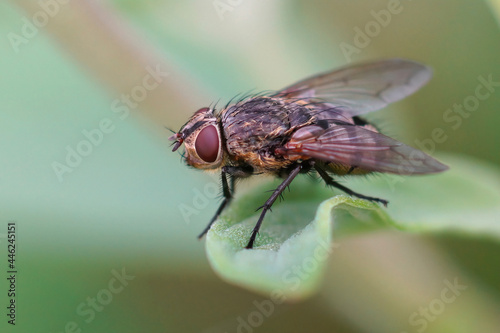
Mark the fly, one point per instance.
(313, 126)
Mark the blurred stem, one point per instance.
(378, 290)
(110, 50)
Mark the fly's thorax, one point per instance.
(202, 140)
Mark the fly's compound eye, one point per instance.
(207, 144)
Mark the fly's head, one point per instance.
(202, 140)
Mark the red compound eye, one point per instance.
(207, 144)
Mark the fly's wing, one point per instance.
(362, 88)
(356, 146)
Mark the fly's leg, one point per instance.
(227, 190)
(329, 181)
(277, 192)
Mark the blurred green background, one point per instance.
(119, 207)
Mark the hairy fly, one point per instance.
(311, 126)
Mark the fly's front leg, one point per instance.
(227, 190)
(329, 181)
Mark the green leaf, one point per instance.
(290, 252)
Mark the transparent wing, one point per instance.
(362, 88)
(356, 146)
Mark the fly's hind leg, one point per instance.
(329, 181)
